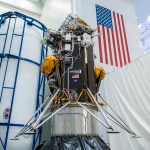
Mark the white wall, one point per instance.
(86, 10)
(55, 12)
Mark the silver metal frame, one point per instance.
(44, 116)
(52, 115)
(99, 108)
(44, 111)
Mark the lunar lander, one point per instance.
(74, 82)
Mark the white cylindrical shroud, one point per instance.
(24, 100)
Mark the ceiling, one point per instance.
(38, 1)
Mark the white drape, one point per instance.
(128, 91)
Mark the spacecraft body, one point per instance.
(71, 74)
(73, 67)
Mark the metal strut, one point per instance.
(29, 122)
(44, 111)
(99, 108)
(121, 124)
(52, 115)
(39, 120)
(93, 115)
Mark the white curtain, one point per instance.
(128, 91)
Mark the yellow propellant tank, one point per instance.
(49, 64)
(99, 71)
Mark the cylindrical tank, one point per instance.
(21, 83)
(74, 120)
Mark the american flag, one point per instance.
(113, 46)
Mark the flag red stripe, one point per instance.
(105, 48)
(120, 31)
(126, 44)
(117, 38)
(110, 50)
(100, 45)
(114, 46)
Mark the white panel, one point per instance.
(31, 47)
(19, 26)
(3, 66)
(15, 47)
(11, 73)
(4, 27)
(26, 92)
(2, 39)
(9, 36)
